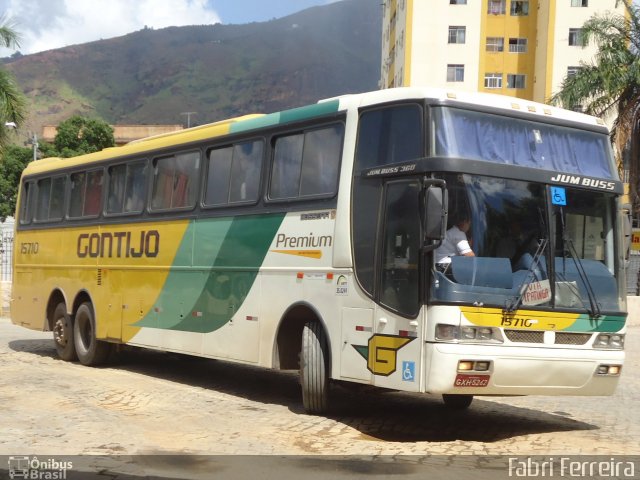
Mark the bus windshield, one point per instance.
(507, 140)
(516, 260)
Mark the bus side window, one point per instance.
(42, 202)
(115, 198)
(175, 181)
(218, 174)
(26, 201)
(321, 161)
(245, 172)
(307, 164)
(135, 187)
(93, 197)
(77, 194)
(390, 135)
(287, 163)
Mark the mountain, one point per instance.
(219, 71)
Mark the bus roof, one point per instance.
(327, 106)
(490, 100)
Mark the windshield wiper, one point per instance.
(515, 302)
(594, 311)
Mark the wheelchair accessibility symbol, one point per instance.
(558, 196)
(408, 371)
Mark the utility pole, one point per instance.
(188, 115)
(33, 141)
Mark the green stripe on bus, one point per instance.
(606, 323)
(286, 116)
(237, 251)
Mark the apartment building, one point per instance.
(522, 48)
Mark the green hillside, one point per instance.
(151, 76)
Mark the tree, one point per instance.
(78, 135)
(610, 84)
(14, 160)
(12, 102)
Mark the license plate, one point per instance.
(466, 380)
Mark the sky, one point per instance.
(48, 24)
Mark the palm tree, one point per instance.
(12, 102)
(610, 84)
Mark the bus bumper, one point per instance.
(536, 372)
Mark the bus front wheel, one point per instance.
(314, 368)
(90, 350)
(63, 333)
(457, 402)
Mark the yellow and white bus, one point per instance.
(307, 239)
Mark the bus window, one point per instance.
(219, 171)
(307, 164)
(234, 174)
(25, 203)
(117, 181)
(93, 197)
(127, 188)
(86, 194)
(287, 163)
(401, 245)
(77, 194)
(389, 135)
(50, 201)
(175, 181)
(134, 199)
(44, 192)
(321, 161)
(245, 172)
(56, 208)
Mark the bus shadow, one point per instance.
(376, 414)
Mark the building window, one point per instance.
(573, 71)
(455, 73)
(495, 44)
(519, 7)
(457, 2)
(497, 7)
(576, 38)
(493, 80)
(518, 45)
(516, 81)
(579, 3)
(457, 34)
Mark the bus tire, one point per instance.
(63, 333)
(457, 402)
(91, 351)
(314, 368)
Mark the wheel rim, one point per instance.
(61, 332)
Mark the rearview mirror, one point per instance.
(435, 210)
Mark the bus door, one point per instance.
(395, 348)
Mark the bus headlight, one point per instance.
(614, 341)
(467, 333)
(446, 332)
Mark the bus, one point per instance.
(307, 240)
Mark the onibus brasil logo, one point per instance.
(34, 468)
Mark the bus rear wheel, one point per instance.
(90, 350)
(63, 333)
(457, 402)
(314, 368)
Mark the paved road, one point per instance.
(159, 403)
